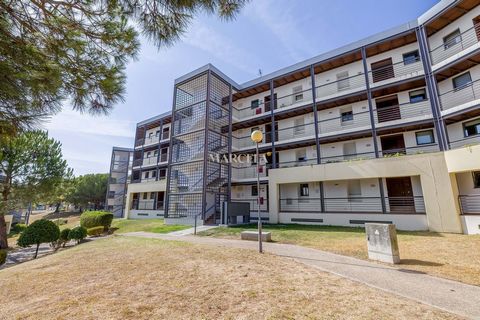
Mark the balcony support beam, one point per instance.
(322, 197)
(315, 115)
(272, 121)
(170, 153)
(382, 195)
(432, 88)
(230, 121)
(370, 104)
(159, 149)
(205, 150)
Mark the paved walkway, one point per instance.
(451, 296)
(190, 231)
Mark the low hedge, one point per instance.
(78, 234)
(3, 256)
(95, 231)
(91, 219)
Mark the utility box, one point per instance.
(382, 242)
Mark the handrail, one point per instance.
(470, 84)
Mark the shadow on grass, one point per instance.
(416, 262)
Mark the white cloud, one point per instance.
(207, 39)
(71, 121)
(278, 17)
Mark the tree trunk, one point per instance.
(57, 208)
(36, 251)
(3, 232)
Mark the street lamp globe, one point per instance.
(256, 136)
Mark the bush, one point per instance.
(90, 219)
(40, 231)
(17, 228)
(3, 256)
(78, 234)
(95, 231)
(62, 240)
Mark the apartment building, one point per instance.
(384, 129)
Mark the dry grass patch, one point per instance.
(452, 256)
(128, 278)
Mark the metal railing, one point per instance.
(403, 111)
(412, 204)
(465, 142)
(455, 45)
(295, 99)
(249, 111)
(461, 95)
(469, 204)
(150, 160)
(147, 205)
(254, 204)
(295, 132)
(398, 152)
(152, 140)
(341, 87)
(395, 72)
(345, 123)
(347, 157)
(137, 162)
(249, 172)
(297, 163)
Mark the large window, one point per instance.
(304, 191)
(417, 96)
(254, 191)
(347, 115)
(452, 39)
(476, 179)
(411, 57)
(342, 81)
(471, 128)
(461, 81)
(254, 104)
(424, 137)
(297, 94)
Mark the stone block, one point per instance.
(253, 236)
(382, 242)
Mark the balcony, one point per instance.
(294, 100)
(249, 111)
(254, 204)
(461, 98)
(151, 140)
(457, 46)
(348, 122)
(344, 157)
(399, 205)
(150, 161)
(398, 152)
(469, 204)
(342, 87)
(249, 172)
(465, 142)
(400, 112)
(297, 163)
(147, 205)
(296, 132)
(385, 72)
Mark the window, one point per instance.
(299, 126)
(147, 174)
(157, 133)
(452, 39)
(152, 195)
(304, 192)
(417, 96)
(150, 134)
(162, 173)
(254, 104)
(297, 94)
(461, 81)
(165, 133)
(354, 190)
(425, 137)
(254, 191)
(342, 81)
(476, 179)
(145, 195)
(301, 155)
(154, 174)
(471, 128)
(148, 154)
(155, 153)
(347, 115)
(411, 57)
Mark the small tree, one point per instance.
(78, 234)
(40, 231)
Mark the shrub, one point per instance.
(17, 228)
(90, 219)
(78, 234)
(62, 240)
(40, 231)
(3, 256)
(95, 231)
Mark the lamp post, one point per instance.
(257, 137)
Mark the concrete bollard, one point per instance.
(382, 242)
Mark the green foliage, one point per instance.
(95, 231)
(17, 228)
(90, 219)
(40, 231)
(64, 234)
(89, 189)
(54, 51)
(3, 256)
(77, 233)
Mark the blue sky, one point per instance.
(267, 35)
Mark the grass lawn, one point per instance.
(453, 256)
(133, 278)
(147, 225)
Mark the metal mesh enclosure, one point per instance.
(187, 177)
(188, 147)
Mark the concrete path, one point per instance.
(450, 296)
(190, 231)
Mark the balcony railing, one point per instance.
(469, 204)
(150, 161)
(296, 132)
(147, 205)
(297, 163)
(347, 157)
(341, 87)
(152, 140)
(398, 152)
(249, 172)
(413, 204)
(295, 99)
(395, 72)
(403, 111)
(254, 204)
(249, 111)
(344, 123)
(455, 45)
(457, 97)
(465, 142)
